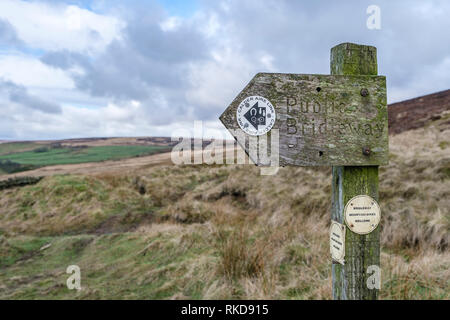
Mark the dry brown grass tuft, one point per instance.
(424, 276)
(415, 191)
(239, 255)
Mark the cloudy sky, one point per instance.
(81, 68)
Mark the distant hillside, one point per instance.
(16, 157)
(414, 113)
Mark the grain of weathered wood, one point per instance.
(323, 120)
(361, 251)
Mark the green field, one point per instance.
(73, 155)
(11, 147)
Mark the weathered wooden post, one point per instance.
(361, 251)
(337, 120)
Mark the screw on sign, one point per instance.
(337, 120)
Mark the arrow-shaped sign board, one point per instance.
(321, 120)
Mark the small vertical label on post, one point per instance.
(337, 242)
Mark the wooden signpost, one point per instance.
(322, 120)
(337, 120)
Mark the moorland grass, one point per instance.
(222, 232)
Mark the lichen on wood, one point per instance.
(361, 251)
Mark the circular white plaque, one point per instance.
(255, 115)
(362, 214)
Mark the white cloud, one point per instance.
(217, 82)
(170, 24)
(111, 120)
(58, 27)
(69, 97)
(30, 72)
(267, 62)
